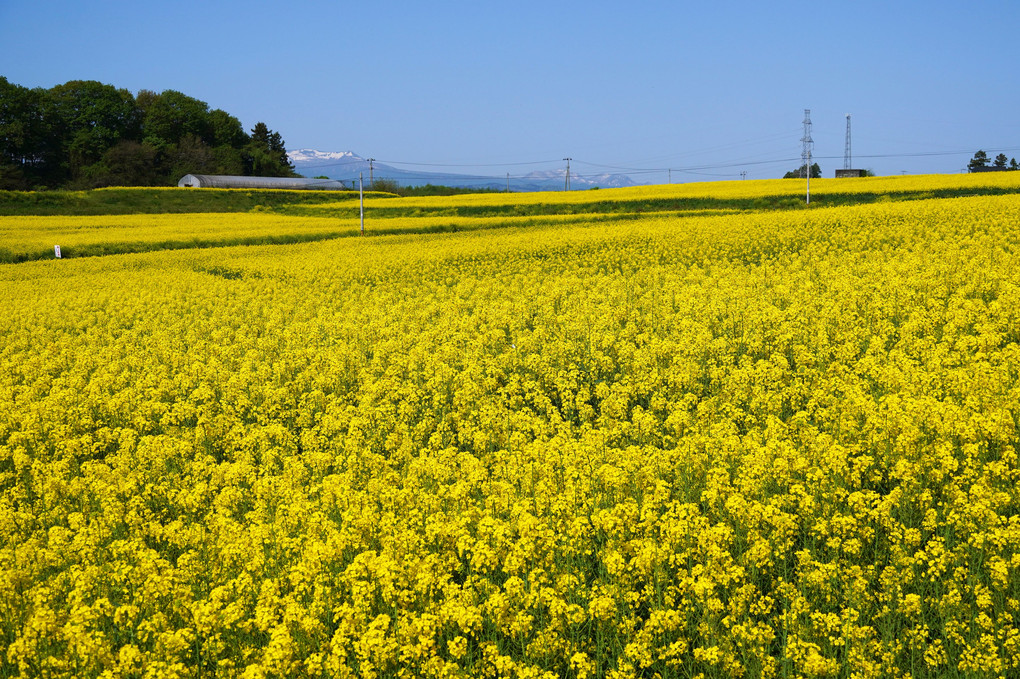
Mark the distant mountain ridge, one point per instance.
(346, 166)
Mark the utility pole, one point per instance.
(371, 172)
(361, 200)
(568, 172)
(743, 174)
(508, 182)
(806, 152)
(670, 175)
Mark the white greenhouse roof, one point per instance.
(222, 181)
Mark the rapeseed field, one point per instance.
(763, 444)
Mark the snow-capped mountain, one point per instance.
(348, 166)
(310, 155)
(556, 179)
(308, 160)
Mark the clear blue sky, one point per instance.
(706, 88)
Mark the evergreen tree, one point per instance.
(265, 155)
(979, 161)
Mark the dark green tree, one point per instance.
(170, 115)
(386, 185)
(126, 163)
(226, 130)
(89, 118)
(229, 140)
(85, 134)
(979, 161)
(228, 160)
(144, 100)
(1013, 165)
(1001, 161)
(190, 156)
(816, 172)
(189, 138)
(26, 145)
(265, 155)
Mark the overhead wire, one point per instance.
(705, 169)
(530, 162)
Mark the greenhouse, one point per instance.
(214, 181)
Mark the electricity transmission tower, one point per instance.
(568, 172)
(846, 150)
(371, 171)
(806, 152)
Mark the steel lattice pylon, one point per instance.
(846, 151)
(806, 152)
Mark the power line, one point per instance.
(530, 162)
(700, 170)
(690, 169)
(713, 150)
(924, 154)
(354, 161)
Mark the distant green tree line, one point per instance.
(799, 173)
(981, 163)
(86, 134)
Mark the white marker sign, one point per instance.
(56, 251)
